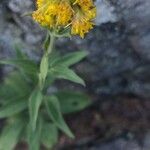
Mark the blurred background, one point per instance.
(117, 71)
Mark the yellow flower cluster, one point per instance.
(76, 14)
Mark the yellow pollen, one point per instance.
(76, 14)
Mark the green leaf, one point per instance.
(25, 64)
(13, 108)
(71, 59)
(43, 69)
(34, 136)
(49, 81)
(35, 101)
(53, 57)
(62, 72)
(72, 101)
(49, 135)
(19, 53)
(10, 135)
(54, 111)
(14, 81)
(10, 89)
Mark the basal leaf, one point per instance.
(35, 136)
(25, 64)
(13, 108)
(35, 101)
(10, 88)
(72, 101)
(15, 81)
(54, 111)
(10, 135)
(49, 135)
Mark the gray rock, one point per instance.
(105, 12)
(119, 144)
(118, 46)
(21, 7)
(136, 15)
(147, 142)
(114, 144)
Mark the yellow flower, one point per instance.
(82, 21)
(76, 14)
(81, 26)
(85, 3)
(40, 3)
(65, 13)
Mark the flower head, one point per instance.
(64, 14)
(81, 26)
(76, 14)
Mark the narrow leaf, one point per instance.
(71, 59)
(10, 135)
(13, 108)
(35, 101)
(53, 58)
(54, 111)
(43, 70)
(62, 72)
(14, 81)
(34, 136)
(49, 135)
(25, 64)
(10, 89)
(72, 101)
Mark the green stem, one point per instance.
(51, 44)
(44, 65)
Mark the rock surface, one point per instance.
(119, 46)
(118, 144)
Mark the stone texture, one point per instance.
(119, 46)
(118, 144)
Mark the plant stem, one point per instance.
(44, 65)
(51, 44)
